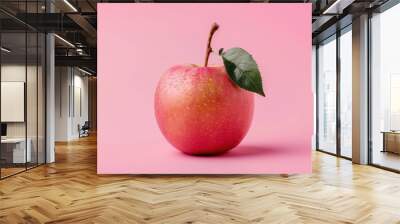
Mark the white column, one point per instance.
(50, 92)
(50, 99)
(360, 90)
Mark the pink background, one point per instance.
(138, 42)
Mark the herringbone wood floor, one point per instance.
(69, 191)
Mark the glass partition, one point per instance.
(32, 97)
(22, 101)
(14, 153)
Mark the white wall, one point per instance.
(80, 112)
(62, 82)
(71, 102)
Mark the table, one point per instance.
(13, 150)
(391, 141)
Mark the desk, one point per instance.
(391, 141)
(13, 150)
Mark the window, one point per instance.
(385, 89)
(334, 106)
(346, 93)
(327, 95)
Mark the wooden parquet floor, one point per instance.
(70, 191)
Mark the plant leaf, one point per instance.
(242, 69)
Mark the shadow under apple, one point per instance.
(244, 151)
(252, 151)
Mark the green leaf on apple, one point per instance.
(242, 69)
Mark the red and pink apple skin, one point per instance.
(201, 111)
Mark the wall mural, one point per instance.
(204, 88)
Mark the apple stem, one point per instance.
(214, 28)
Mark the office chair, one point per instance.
(84, 130)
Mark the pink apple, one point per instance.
(208, 110)
(200, 111)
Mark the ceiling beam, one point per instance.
(337, 6)
(83, 61)
(86, 26)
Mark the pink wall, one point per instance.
(138, 42)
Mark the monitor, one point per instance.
(3, 129)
